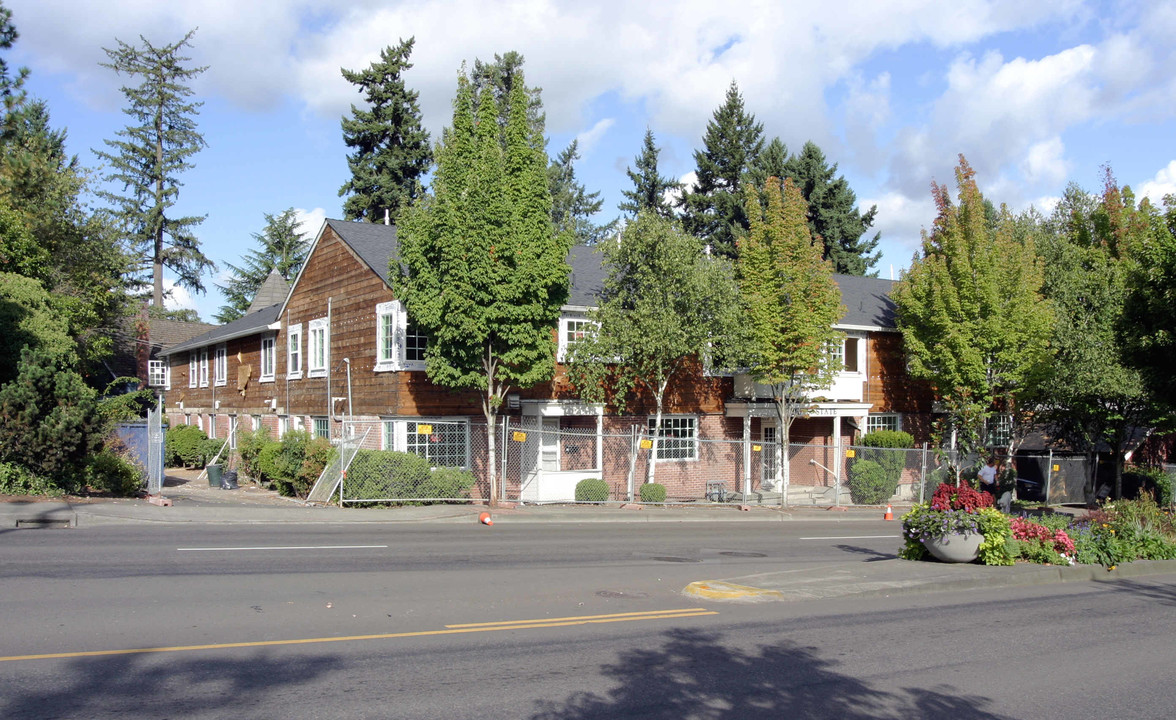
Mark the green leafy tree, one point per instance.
(31, 318)
(48, 420)
(650, 190)
(481, 271)
(790, 303)
(391, 146)
(1090, 395)
(149, 157)
(1148, 325)
(714, 209)
(972, 316)
(664, 305)
(281, 246)
(833, 213)
(572, 206)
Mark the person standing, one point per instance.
(987, 476)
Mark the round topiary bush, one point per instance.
(869, 483)
(591, 490)
(653, 493)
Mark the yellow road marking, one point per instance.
(450, 630)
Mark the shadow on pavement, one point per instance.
(694, 675)
(875, 555)
(149, 686)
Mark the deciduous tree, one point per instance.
(790, 304)
(481, 270)
(664, 305)
(970, 308)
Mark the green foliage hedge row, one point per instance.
(183, 446)
(391, 475)
(291, 465)
(875, 474)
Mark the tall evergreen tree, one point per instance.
(833, 214)
(280, 246)
(714, 209)
(790, 304)
(391, 145)
(499, 78)
(772, 162)
(481, 271)
(650, 189)
(971, 313)
(149, 158)
(572, 206)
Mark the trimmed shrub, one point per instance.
(315, 456)
(110, 472)
(591, 490)
(182, 446)
(390, 475)
(653, 493)
(266, 465)
(877, 482)
(870, 483)
(447, 482)
(249, 445)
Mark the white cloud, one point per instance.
(1164, 183)
(589, 138)
(1045, 162)
(900, 221)
(176, 297)
(310, 221)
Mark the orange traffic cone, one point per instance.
(889, 514)
(484, 518)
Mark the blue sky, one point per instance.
(1036, 95)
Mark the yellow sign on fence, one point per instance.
(518, 436)
(850, 453)
(1057, 468)
(646, 444)
(756, 448)
(424, 429)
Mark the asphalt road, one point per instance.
(543, 621)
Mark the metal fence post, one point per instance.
(1048, 475)
(923, 476)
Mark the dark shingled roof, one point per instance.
(587, 275)
(867, 301)
(273, 291)
(375, 244)
(251, 324)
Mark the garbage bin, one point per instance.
(214, 475)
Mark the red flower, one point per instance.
(950, 497)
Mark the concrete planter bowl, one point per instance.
(955, 548)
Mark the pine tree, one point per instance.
(650, 189)
(833, 216)
(790, 304)
(481, 271)
(499, 78)
(280, 246)
(391, 146)
(572, 206)
(149, 158)
(714, 209)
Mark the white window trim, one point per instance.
(693, 441)
(157, 373)
(262, 375)
(861, 354)
(897, 421)
(399, 329)
(399, 438)
(203, 367)
(565, 331)
(220, 365)
(294, 340)
(193, 368)
(316, 326)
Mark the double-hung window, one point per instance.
(193, 369)
(400, 345)
(267, 359)
(678, 437)
(204, 367)
(317, 348)
(157, 374)
(220, 365)
(294, 352)
(444, 443)
(572, 329)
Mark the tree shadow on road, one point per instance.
(155, 685)
(693, 675)
(875, 555)
(1159, 590)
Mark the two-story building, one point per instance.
(339, 355)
